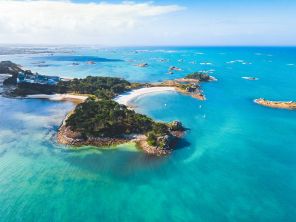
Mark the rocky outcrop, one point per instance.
(200, 76)
(8, 67)
(174, 68)
(143, 65)
(68, 137)
(187, 86)
(276, 104)
(176, 126)
(151, 150)
(168, 141)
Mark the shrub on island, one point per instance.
(103, 87)
(202, 77)
(106, 118)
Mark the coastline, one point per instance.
(127, 98)
(168, 86)
(68, 137)
(75, 98)
(155, 138)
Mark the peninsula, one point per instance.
(190, 84)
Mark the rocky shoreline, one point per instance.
(68, 137)
(276, 104)
(103, 121)
(192, 87)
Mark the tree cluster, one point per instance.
(106, 118)
(202, 77)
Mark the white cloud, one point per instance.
(68, 22)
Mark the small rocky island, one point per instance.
(103, 122)
(276, 104)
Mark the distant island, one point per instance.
(276, 104)
(98, 120)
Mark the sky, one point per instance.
(149, 23)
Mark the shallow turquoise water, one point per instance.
(237, 161)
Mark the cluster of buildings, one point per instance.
(28, 77)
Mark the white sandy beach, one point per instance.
(126, 98)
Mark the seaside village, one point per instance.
(28, 77)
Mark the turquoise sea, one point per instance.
(237, 161)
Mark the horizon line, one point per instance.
(127, 46)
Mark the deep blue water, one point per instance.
(237, 161)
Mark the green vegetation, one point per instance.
(102, 87)
(25, 88)
(99, 115)
(184, 86)
(106, 118)
(199, 76)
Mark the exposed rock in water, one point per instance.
(143, 65)
(276, 104)
(164, 143)
(191, 89)
(250, 78)
(174, 68)
(176, 126)
(68, 137)
(200, 76)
